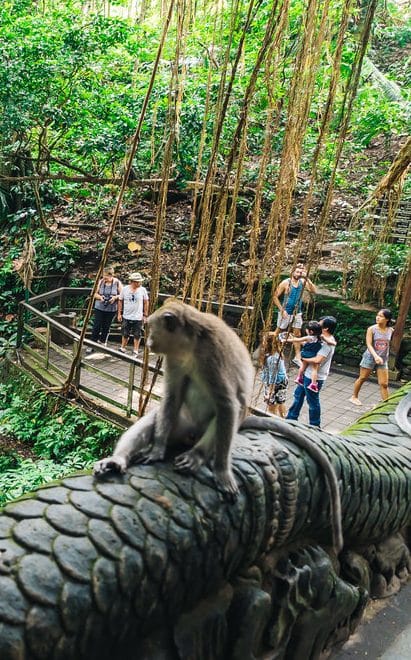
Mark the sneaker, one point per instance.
(299, 380)
(296, 362)
(313, 387)
(135, 353)
(122, 350)
(355, 401)
(89, 350)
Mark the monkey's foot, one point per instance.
(147, 456)
(110, 464)
(189, 461)
(227, 483)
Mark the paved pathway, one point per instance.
(337, 411)
(385, 632)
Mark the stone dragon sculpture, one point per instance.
(155, 565)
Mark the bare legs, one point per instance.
(382, 376)
(364, 374)
(136, 342)
(278, 409)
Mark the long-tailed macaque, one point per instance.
(208, 386)
(289, 431)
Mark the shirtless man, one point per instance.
(289, 308)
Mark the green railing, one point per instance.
(47, 342)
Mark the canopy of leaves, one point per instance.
(72, 83)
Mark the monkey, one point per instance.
(282, 427)
(208, 386)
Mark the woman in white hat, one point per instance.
(132, 311)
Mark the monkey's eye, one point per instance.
(170, 321)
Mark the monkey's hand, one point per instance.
(110, 464)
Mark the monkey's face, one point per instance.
(166, 332)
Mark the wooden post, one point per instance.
(20, 326)
(402, 319)
(77, 370)
(130, 389)
(47, 356)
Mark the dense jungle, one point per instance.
(210, 146)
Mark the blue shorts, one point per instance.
(368, 362)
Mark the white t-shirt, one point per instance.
(133, 302)
(324, 368)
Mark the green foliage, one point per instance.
(20, 476)
(63, 436)
(383, 259)
(392, 32)
(8, 337)
(52, 257)
(72, 88)
(375, 116)
(73, 79)
(53, 428)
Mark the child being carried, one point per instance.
(312, 343)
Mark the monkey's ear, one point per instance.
(170, 321)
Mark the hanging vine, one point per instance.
(288, 60)
(174, 107)
(300, 94)
(197, 264)
(70, 386)
(320, 146)
(376, 216)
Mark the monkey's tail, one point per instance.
(291, 433)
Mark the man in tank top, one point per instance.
(289, 307)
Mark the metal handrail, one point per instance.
(26, 309)
(30, 308)
(236, 310)
(58, 292)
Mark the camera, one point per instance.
(106, 300)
